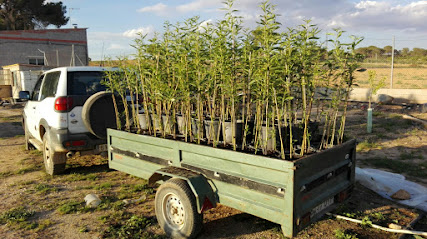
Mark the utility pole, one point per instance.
(392, 63)
(102, 55)
(72, 63)
(57, 58)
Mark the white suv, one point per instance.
(67, 112)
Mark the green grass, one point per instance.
(393, 124)
(43, 224)
(24, 161)
(107, 203)
(45, 188)
(339, 234)
(35, 152)
(86, 187)
(29, 169)
(377, 217)
(74, 177)
(71, 207)
(16, 215)
(121, 226)
(414, 132)
(413, 154)
(367, 144)
(111, 202)
(84, 229)
(131, 191)
(12, 119)
(398, 166)
(26, 183)
(21, 171)
(378, 114)
(5, 174)
(104, 186)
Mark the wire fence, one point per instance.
(402, 67)
(65, 56)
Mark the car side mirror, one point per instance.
(24, 95)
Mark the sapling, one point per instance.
(215, 71)
(110, 82)
(351, 64)
(266, 40)
(342, 62)
(143, 76)
(131, 85)
(373, 89)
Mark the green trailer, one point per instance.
(195, 178)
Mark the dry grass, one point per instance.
(404, 76)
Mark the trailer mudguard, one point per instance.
(206, 198)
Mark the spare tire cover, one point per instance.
(98, 113)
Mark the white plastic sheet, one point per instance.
(386, 184)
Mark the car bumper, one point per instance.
(63, 141)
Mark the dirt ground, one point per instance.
(36, 205)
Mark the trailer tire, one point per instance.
(176, 209)
(54, 162)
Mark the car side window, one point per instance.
(50, 84)
(36, 92)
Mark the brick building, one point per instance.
(48, 47)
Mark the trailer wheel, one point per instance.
(176, 209)
(54, 162)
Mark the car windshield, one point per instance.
(85, 82)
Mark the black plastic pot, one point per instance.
(197, 128)
(168, 125)
(297, 134)
(212, 129)
(156, 122)
(144, 121)
(268, 138)
(228, 134)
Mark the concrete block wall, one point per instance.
(416, 96)
(57, 44)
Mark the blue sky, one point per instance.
(112, 25)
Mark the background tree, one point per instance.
(405, 51)
(364, 51)
(388, 49)
(418, 52)
(31, 14)
(375, 51)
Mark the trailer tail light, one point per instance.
(206, 205)
(63, 104)
(305, 220)
(342, 196)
